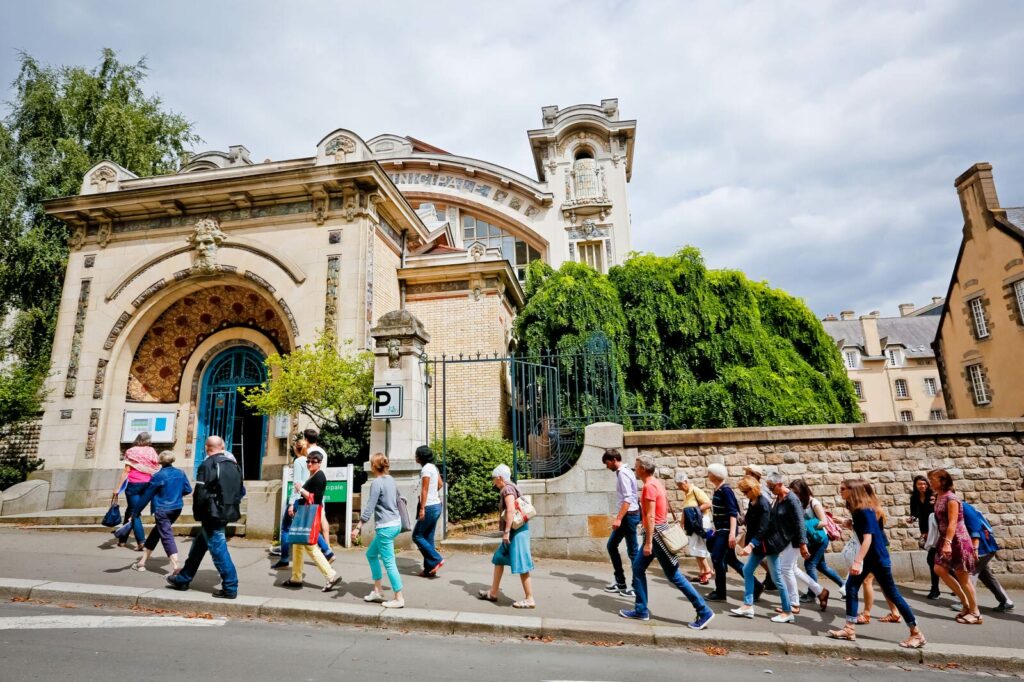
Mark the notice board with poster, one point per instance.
(159, 425)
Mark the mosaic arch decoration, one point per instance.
(158, 364)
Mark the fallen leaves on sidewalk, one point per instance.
(759, 653)
(537, 638)
(716, 651)
(20, 599)
(951, 665)
(600, 642)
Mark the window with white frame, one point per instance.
(852, 358)
(894, 357)
(906, 416)
(859, 390)
(591, 253)
(935, 415)
(978, 388)
(1018, 293)
(902, 390)
(978, 318)
(931, 386)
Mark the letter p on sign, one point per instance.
(387, 402)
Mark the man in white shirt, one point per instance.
(625, 522)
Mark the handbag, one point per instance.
(305, 528)
(674, 537)
(523, 512)
(851, 549)
(113, 516)
(831, 528)
(403, 515)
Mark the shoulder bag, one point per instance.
(305, 528)
(674, 537)
(523, 512)
(403, 514)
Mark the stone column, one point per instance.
(399, 341)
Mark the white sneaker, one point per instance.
(743, 612)
(783, 618)
(374, 597)
(275, 550)
(394, 604)
(842, 591)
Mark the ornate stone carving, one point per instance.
(515, 204)
(531, 211)
(253, 277)
(116, 330)
(90, 260)
(477, 251)
(206, 239)
(103, 177)
(90, 435)
(340, 147)
(500, 195)
(331, 303)
(437, 287)
(149, 291)
(394, 347)
(288, 314)
(77, 238)
(334, 237)
(101, 375)
(321, 204)
(103, 235)
(71, 379)
(65, 414)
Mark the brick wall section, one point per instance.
(385, 279)
(477, 393)
(985, 458)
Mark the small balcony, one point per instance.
(586, 192)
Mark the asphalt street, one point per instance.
(90, 644)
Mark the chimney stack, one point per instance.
(937, 299)
(830, 318)
(978, 183)
(869, 327)
(906, 309)
(846, 315)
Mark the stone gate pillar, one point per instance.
(399, 341)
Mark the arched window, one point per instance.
(585, 172)
(515, 250)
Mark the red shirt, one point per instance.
(654, 490)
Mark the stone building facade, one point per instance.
(980, 339)
(891, 364)
(179, 286)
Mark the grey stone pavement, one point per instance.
(563, 589)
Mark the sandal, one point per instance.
(486, 596)
(915, 641)
(291, 583)
(970, 619)
(523, 604)
(847, 633)
(864, 619)
(795, 610)
(890, 618)
(704, 578)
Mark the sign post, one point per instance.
(387, 405)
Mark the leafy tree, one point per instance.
(706, 348)
(61, 122)
(319, 381)
(469, 461)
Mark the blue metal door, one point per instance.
(223, 413)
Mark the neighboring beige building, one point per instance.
(178, 286)
(891, 364)
(980, 339)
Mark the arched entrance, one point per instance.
(223, 413)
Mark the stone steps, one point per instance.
(180, 529)
(90, 519)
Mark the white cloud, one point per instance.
(812, 144)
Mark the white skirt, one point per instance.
(697, 546)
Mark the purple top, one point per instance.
(625, 486)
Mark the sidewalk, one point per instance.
(571, 603)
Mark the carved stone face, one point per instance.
(206, 239)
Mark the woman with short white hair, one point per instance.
(514, 550)
(698, 500)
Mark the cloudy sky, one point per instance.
(811, 144)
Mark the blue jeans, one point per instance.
(286, 547)
(640, 564)
(749, 580)
(133, 514)
(884, 579)
(776, 573)
(211, 537)
(722, 557)
(817, 562)
(626, 531)
(423, 536)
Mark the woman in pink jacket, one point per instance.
(140, 463)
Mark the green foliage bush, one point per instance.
(706, 348)
(469, 462)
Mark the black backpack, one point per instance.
(219, 491)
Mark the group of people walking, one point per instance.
(780, 527)
(787, 531)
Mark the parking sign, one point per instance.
(387, 402)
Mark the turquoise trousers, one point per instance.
(382, 549)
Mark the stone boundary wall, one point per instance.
(985, 457)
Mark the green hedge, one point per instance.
(469, 462)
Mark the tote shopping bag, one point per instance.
(523, 512)
(113, 516)
(305, 528)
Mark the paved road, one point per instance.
(256, 650)
(564, 589)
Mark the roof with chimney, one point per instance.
(914, 334)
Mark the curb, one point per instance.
(501, 625)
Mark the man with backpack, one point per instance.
(215, 503)
(985, 544)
